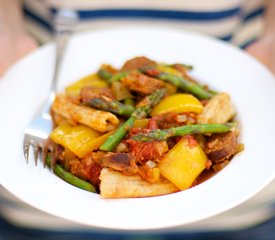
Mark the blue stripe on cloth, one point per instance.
(226, 38)
(247, 43)
(157, 14)
(256, 13)
(34, 17)
(92, 15)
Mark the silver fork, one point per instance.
(37, 133)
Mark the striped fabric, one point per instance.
(227, 20)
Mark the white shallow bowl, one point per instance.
(221, 66)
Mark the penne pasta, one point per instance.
(219, 109)
(99, 120)
(115, 184)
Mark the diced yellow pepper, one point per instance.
(141, 123)
(168, 69)
(170, 88)
(183, 163)
(178, 103)
(92, 80)
(155, 174)
(79, 139)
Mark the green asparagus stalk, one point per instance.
(161, 135)
(146, 105)
(111, 106)
(104, 74)
(109, 77)
(187, 66)
(118, 76)
(114, 139)
(69, 177)
(129, 101)
(140, 112)
(179, 82)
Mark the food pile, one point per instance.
(146, 129)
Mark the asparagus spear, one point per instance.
(104, 74)
(140, 112)
(109, 77)
(110, 105)
(118, 76)
(114, 139)
(69, 177)
(129, 101)
(187, 66)
(161, 135)
(179, 82)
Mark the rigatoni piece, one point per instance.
(96, 119)
(117, 185)
(218, 110)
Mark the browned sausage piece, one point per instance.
(220, 147)
(137, 62)
(90, 92)
(141, 83)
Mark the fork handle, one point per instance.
(64, 23)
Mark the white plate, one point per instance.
(221, 66)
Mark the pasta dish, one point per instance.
(146, 129)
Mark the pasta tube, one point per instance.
(117, 185)
(99, 120)
(219, 109)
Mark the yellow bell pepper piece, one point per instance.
(170, 88)
(178, 103)
(91, 80)
(79, 139)
(183, 163)
(168, 69)
(141, 123)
